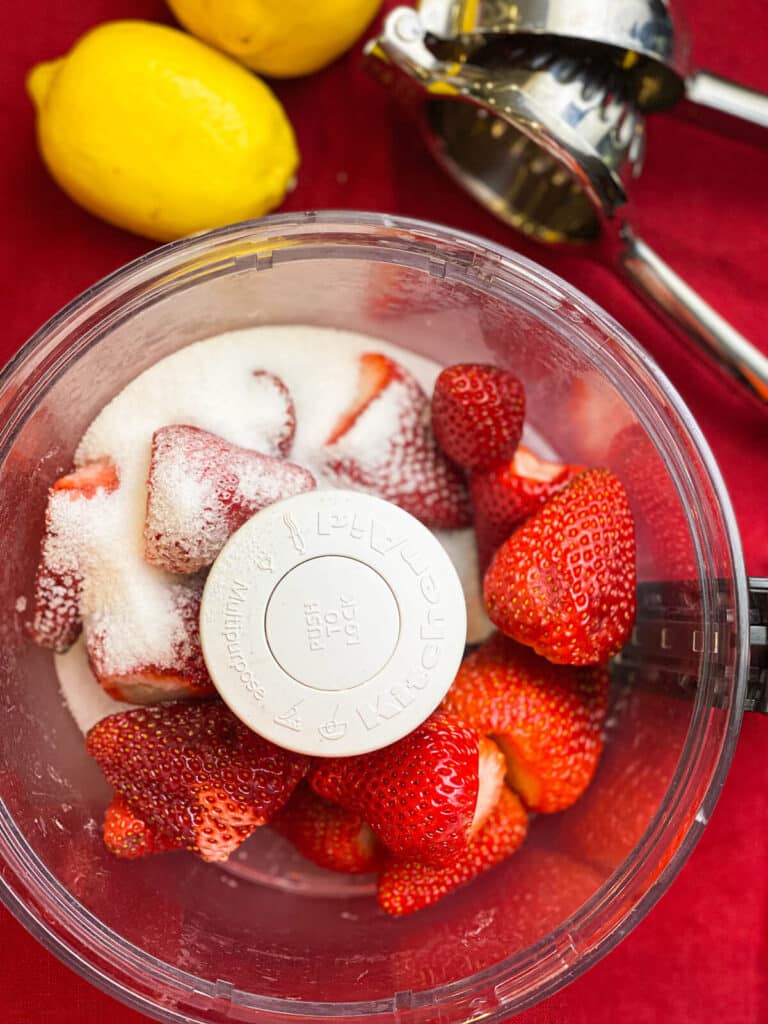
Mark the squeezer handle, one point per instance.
(669, 295)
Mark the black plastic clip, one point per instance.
(757, 683)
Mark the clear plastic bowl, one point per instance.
(272, 939)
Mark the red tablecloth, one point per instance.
(703, 202)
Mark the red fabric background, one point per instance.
(703, 203)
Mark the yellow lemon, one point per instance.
(282, 38)
(158, 133)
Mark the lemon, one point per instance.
(158, 133)
(282, 38)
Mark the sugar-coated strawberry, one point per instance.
(86, 481)
(506, 494)
(407, 886)
(477, 414)
(201, 489)
(55, 620)
(419, 795)
(194, 773)
(127, 836)
(274, 418)
(327, 834)
(546, 718)
(564, 583)
(177, 672)
(375, 372)
(383, 443)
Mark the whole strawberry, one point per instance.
(407, 886)
(74, 501)
(506, 494)
(328, 835)
(546, 718)
(419, 795)
(193, 773)
(564, 583)
(477, 414)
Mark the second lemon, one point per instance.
(281, 38)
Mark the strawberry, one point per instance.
(86, 481)
(177, 672)
(477, 414)
(201, 489)
(491, 766)
(406, 886)
(544, 887)
(328, 835)
(505, 495)
(395, 291)
(375, 372)
(419, 795)
(384, 444)
(127, 836)
(564, 582)
(194, 773)
(274, 415)
(593, 413)
(546, 718)
(635, 774)
(664, 544)
(55, 620)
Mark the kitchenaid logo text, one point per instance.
(232, 633)
(391, 702)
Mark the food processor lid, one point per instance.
(333, 623)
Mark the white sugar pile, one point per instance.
(211, 385)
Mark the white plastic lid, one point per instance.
(333, 623)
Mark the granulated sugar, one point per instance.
(216, 385)
(85, 699)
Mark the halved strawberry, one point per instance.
(86, 481)
(564, 583)
(201, 489)
(274, 415)
(547, 719)
(384, 444)
(175, 672)
(374, 373)
(491, 766)
(477, 414)
(327, 834)
(127, 836)
(55, 608)
(406, 886)
(506, 494)
(419, 795)
(194, 773)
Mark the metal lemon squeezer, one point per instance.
(548, 137)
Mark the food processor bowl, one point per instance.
(269, 938)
